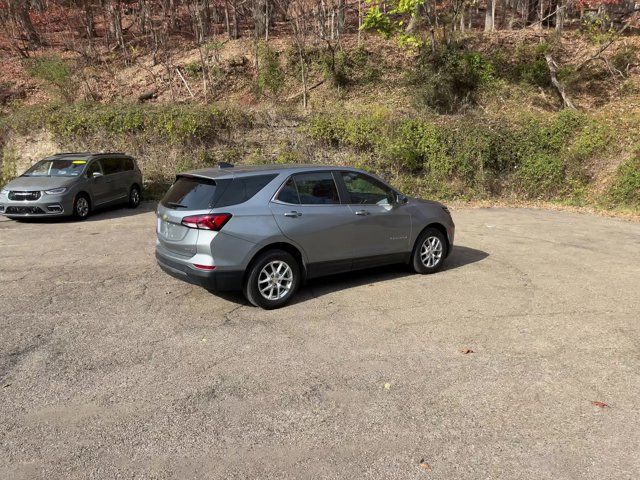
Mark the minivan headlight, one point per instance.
(56, 191)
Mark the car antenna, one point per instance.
(225, 165)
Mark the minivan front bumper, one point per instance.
(45, 206)
(223, 280)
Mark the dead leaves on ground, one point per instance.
(466, 351)
(599, 404)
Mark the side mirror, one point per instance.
(96, 175)
(402, 199)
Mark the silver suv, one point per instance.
(266, 229)
(72, 184)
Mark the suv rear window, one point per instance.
(194, 193)
(191, 194)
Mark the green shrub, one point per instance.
(55, 72)
(193, 69)
(270, 75)
(533, 156)
(540, 176)
(625, 190)
(8, 168)
(347, 67)
(178, 124)
(449, 80)
(626, 56)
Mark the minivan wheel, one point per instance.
(134, 197)
(81, 207)
(429, 251)
(273, 278)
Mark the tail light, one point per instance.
(207, 222)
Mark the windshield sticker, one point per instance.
(79, 162)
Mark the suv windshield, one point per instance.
(56, 168)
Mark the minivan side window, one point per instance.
(316, 188)
(111, 165)
(94, 167)
(366, 190)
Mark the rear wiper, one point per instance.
(177, 205)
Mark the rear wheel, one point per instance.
(429, 251)
(134, 197)
(274, 277)
(81, 207)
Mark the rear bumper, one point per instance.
(210, 279)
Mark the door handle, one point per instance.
(293, 214)
(362, 212)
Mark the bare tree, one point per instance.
(19, 13)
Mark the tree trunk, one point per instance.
(19, 11)
(490, 16)
(259, 18)
(115, 23)
(560, 15)
(235, 31)
(226, 19)
(89, 20)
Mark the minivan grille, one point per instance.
(23, 211)
(24, 196)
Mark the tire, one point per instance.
(135, 196)
(81, 207)
(429, 252)
(272, 262)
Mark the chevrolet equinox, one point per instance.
(266, 229)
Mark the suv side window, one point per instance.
(289, 193)
(316, 188)
(111, 165)
(366, 190)
(127, 164)
(94, 167)
(241, 189)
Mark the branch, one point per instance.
(553, 69)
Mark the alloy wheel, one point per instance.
(82, 207)
(431, 252)
(275, 280)
(135, 197)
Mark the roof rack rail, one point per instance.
(225, 165)
(59, 154)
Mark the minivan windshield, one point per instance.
(57, 168)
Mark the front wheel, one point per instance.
(81, 207)
(429, 251)
(134, 197)
(273, 279)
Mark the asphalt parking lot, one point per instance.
(109, 368)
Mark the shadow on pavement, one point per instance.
(460, 257)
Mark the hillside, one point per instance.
(480, 118)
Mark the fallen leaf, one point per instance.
(466, 350)
(387, 386)
(596, 403)
(6, 385)
(203, 340)
(424, 465)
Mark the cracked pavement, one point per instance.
(111, 369)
